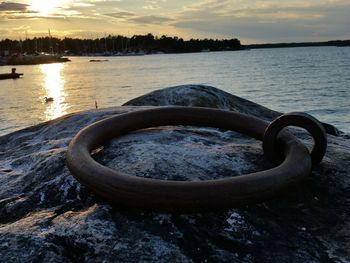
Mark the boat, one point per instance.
(12, 75)
(98, 60)
(2, 61)
(35, 59)
(130, 54)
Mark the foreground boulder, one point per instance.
(46, 215)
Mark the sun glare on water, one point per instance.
(54, 86)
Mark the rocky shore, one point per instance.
(46, 215)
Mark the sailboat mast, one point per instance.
(50, 43)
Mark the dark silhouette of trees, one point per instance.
(148, 44)
(337, 43)
(117, 44)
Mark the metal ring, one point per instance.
(299, 119)
(183, 196)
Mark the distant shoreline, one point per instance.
(331, 43)
(137, 45)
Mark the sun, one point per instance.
(45, 7)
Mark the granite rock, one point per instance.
(46, 215)
(207, 96)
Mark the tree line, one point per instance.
(337, 43)
(117, 44)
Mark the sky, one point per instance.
(251, 21)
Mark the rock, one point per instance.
(202, 96)
(46, 215)
(206, 96)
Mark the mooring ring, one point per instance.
(183, 196)
(298, 119)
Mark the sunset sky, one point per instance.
(250, 21)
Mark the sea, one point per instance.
(315, 80)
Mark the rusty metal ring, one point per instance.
(183, 196)
(299, 119)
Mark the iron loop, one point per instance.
(299, 119)
(183, 196)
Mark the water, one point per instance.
(312, 79)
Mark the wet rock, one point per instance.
(46, 215)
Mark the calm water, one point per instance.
(316, 80)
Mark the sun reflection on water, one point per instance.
(54, 88)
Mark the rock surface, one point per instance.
(206, 96)
(202, 96)
(46, 215)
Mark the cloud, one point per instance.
(82, 4)
(151, 5)
(121, 15)
(34, 17)
(151, 19)
(268, 21)
(109, 4)
(249, 20)
(12, 11)
(11, 6)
